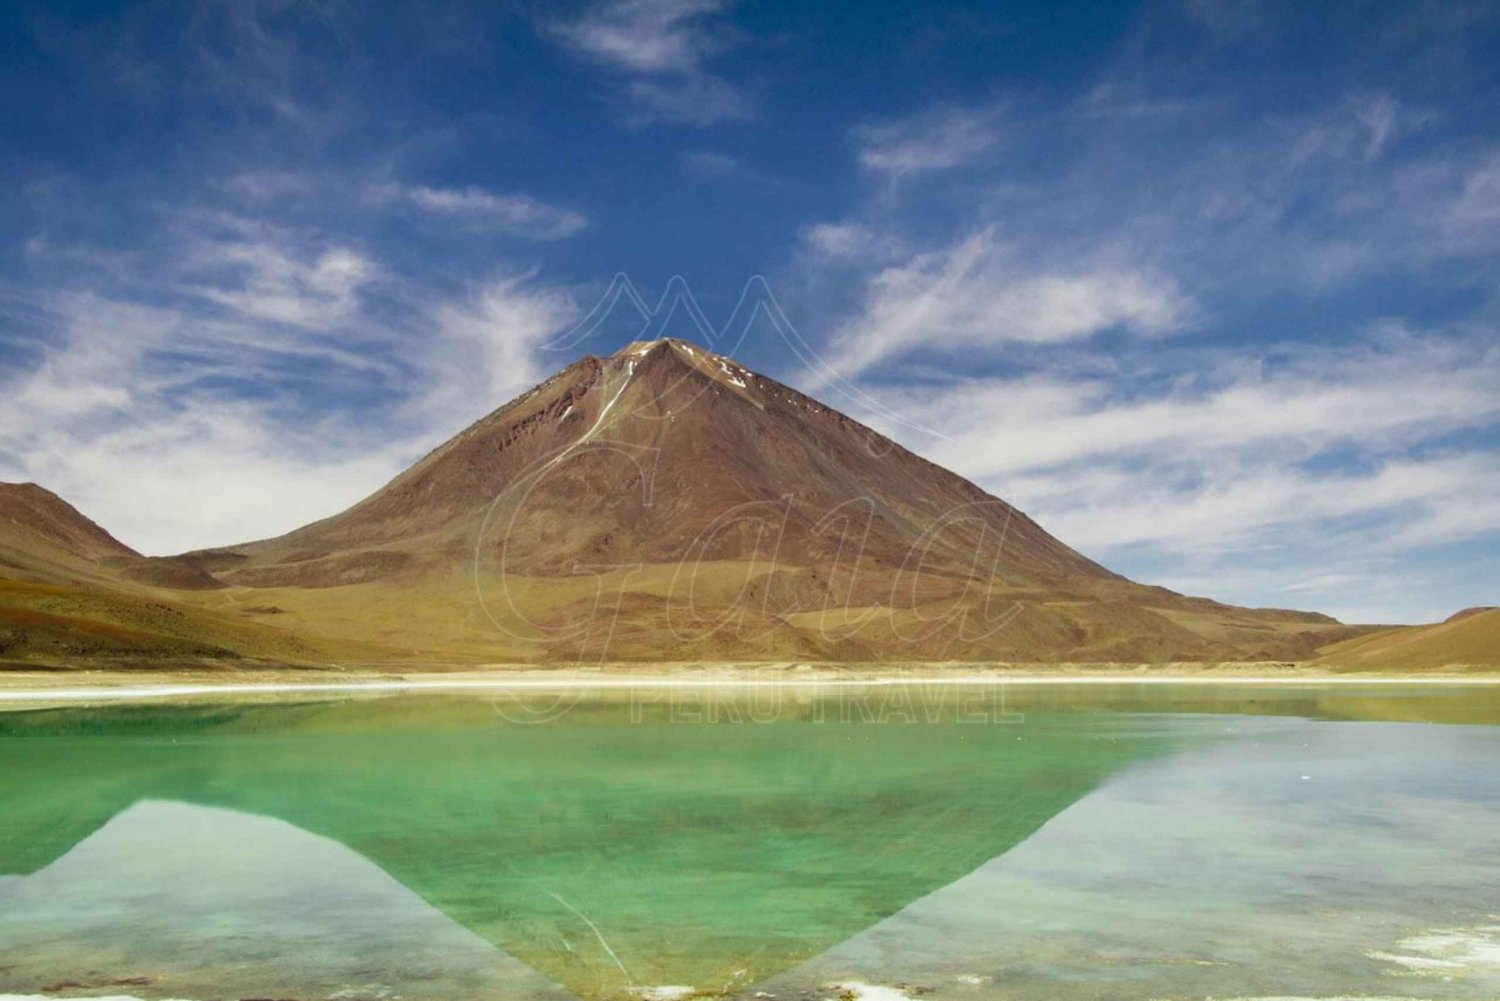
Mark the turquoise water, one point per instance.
(1030, 842)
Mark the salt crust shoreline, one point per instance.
(26, 687)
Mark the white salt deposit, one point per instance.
(666, 992)
(1449, 952)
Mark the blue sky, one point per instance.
(1211, 289)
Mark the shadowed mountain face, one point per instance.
(666, 503)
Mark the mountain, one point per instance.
(70, 590)
(661, 453)
(36, 524)
(666, 503)
(1469, 640)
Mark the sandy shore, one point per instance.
(20, 685)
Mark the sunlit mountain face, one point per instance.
(1091, 842)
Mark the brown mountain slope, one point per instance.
(36, 522)
(663, 453)
(666, 503)
(69, 590)
(1469, 640)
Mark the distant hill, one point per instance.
(37, 522)
(1469, 640)
(666, 503)
(68, 594)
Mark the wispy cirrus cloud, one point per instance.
(1203, 464)
(266, 280)
(644, 36)
(1428, 501)
(516, 213)
(210, 398)
(1373, 541)
(489, 353)
(125, 415)
(935, 139)
(982, 294)
(708, 163)
(1216, 205)
(1383, 395)
(474, 208)
(662, 49)
(1478, 201)
(843, 241)
(1301, 433)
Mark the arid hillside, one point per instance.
(1469, 640)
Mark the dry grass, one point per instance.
(1468, 643)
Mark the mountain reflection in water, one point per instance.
(432, 848)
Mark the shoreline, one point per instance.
(22, 687)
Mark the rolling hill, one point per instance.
(1468, 641)
(71, 593)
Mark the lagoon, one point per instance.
(1103, 841)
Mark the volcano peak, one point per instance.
(717, 514)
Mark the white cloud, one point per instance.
(662, 47)
(259, 274)
(839, 240)
(110, 419)
(1275, 533)
(1326, 459)
(937, 139)
(166, 479)
(1479, 201)
(1461, 498)
(1389, 398)
(708, 162)
(699, 99)
(1380, 114)
(516, 213)
(1239, 504)
(126, 412)
(644, 36)
(82, 380)
(979, 293)
(485, 351)
(1229, 205)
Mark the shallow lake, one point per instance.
(1056, 841)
